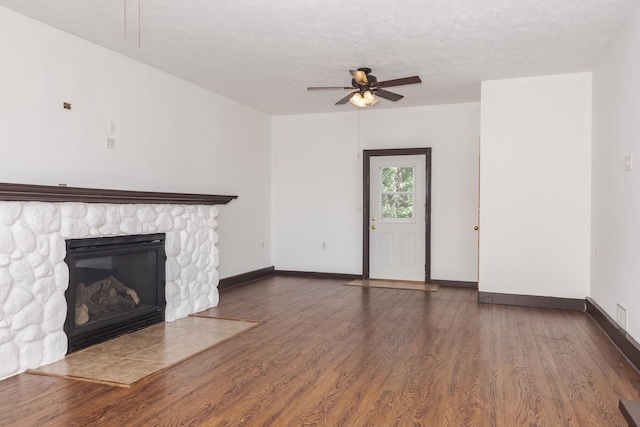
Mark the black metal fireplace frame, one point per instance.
(78, 249)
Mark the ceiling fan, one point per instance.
(367, 87)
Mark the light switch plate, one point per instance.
(628, 163)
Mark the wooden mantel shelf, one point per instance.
(48, 193)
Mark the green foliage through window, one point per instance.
(397, 192)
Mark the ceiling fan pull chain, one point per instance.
(139, 21)
(358, 133)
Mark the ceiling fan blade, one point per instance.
(345, 99)
(328, 87)
(388, 95)
(399, 82)
(360, 77)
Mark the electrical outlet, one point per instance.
(621, 316)
(324, 245)
(628, 163)
(110, 143)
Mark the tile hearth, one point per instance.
(127, 359)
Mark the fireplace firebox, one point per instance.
(116, 285)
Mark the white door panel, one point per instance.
(408, 249)
(386, 248)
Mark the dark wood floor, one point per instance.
(334, 355)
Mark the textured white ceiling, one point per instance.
(265, 53)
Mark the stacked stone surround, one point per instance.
(34, 276)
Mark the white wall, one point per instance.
(317, 184)
(615, 273)
(535, 186)
(170, 134)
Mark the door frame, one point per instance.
(366, 198)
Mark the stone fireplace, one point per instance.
(36, 222)
(116, 285)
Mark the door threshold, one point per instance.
(419, 282)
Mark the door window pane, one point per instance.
(397, 179)
(397, 193)
(397, 206)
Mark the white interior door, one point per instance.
(397, 221)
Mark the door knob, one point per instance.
(373, 218)
(373, 227)
(475, 228)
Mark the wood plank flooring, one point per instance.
(334, 355)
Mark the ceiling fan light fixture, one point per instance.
(358, 100)
(369, 99)
(363, 100)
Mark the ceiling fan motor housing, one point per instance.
(371, 79)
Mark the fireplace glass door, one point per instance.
(116, 285)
